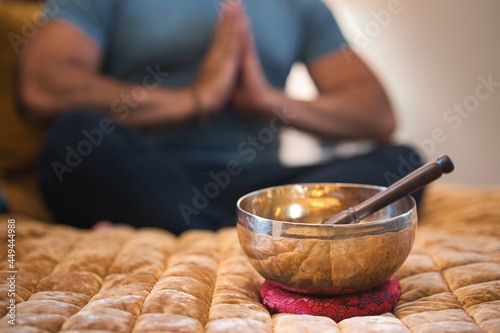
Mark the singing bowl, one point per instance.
(280, 231)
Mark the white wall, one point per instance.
(433, 57)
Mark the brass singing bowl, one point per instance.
(280, 231)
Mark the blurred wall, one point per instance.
(440, 62)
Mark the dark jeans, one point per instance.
(92, 170)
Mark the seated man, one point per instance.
(164, 113)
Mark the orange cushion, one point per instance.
(19, 142)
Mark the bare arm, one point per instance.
(351, 104)
(60, 71)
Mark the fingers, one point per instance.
(222, 63)
(229, 34)
(231, 6)
(250, 66)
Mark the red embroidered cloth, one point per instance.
(378, 300)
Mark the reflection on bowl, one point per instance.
(281, 232)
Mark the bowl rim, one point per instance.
(411, 210)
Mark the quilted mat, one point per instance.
(60, 279)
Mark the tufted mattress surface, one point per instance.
(147, 280)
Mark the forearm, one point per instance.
(56, 88)
(360, 110)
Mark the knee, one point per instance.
(72, 129)
(404, 160)
(72, 133)
(73, 123)
(396, 161)
(403, 157)
(411, 154)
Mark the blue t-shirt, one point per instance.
(140, 37)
